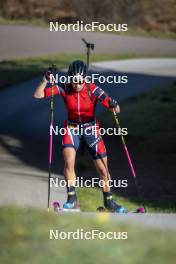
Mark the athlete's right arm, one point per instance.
(39, 92)
(45, 88)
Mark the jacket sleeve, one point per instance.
(103, 98)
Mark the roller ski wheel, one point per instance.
(139, 210)
(101, 209)
(119, 210)
(67, 207)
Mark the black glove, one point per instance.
(51, 70)
(113, 103)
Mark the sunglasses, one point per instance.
(77, 80)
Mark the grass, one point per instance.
(91, 198)
(24, 238)
(17, 70)
(150, 117)
(21, 22)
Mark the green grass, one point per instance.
(21, 22)
(91, 198)
(17, 70)
(24, 238)
(150, 117)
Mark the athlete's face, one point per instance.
(77, 83)
(77, 86)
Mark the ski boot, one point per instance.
(112, 206)
(71, 203)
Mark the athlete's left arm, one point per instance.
(106, 100)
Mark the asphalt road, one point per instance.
(23, 41)
(154, 67)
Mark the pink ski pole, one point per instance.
(129, 161)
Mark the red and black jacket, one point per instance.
(80, 105)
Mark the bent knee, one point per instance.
(69, 164)
(103, 171)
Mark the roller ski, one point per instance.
(71, 204)
(112, 207)
(139, 210)
(57, 208)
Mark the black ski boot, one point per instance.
(71, 202)
(111, 205)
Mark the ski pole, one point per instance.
(51, 136)
(129, 161)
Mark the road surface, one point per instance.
(24, 41)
